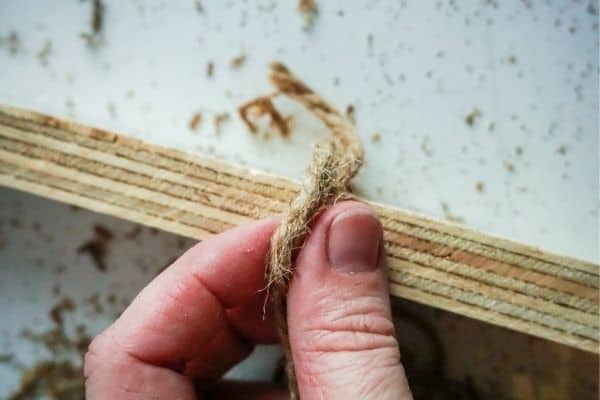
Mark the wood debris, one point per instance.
(219, 120)
(350, 113)
(263, 106)
(473, 116)
(195, 121)
(97, 247)
(238, 61)
(210, 69)
(45, 52)
(12, 43)
(308, 10)
(94, 38)
(56, 312)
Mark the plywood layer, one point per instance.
(431, 262)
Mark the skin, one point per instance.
(204, 313)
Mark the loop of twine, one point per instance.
(335, 162)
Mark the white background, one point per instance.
(412, 69)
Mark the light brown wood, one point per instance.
(430, 262)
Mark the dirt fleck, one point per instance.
(219, 120)
(263, 106)
(562, 150)
(238, 61)
(103, 232)
(450, 216)
(426, 147)
(511, 60)
(480, 186)
(94, 38)
(94, 302)
(56, 312)
(308, 10)
(134, 232)
(199, 7)
(510, 167)
(350, 113)
(210, 69)
(15, 223)
(44, 53)
(97, 247)
(519, 151)
(111, 298)
(112, 109)
(56, 290)
(12, 43)
(195, 121)
(375, 137)
(472, 117)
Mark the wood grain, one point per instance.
(430, 262)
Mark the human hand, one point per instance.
(204, 313)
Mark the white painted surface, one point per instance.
(531, 68)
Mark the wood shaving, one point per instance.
(94, 38)
(97, 247)
(56, 312)
(450, 216)
(210, 69)
(238, 62)
(219, 120)
(472, 117)
(45, 52)
(195, 121)
(263, 106)
(308, 10)
(350, 113)
(199, 7)
(12, 43)
(562, 150)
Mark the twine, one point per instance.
(335, 162)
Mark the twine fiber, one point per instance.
(335, 162)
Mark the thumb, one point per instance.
(339, 319)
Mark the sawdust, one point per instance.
(259, 107)
(195, 121)
(238, 61)
(472, 117)
(219, 120)
(97, 247)
(308, 10)
(210, 69)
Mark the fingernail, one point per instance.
(354, 237)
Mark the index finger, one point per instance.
(203, 313)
